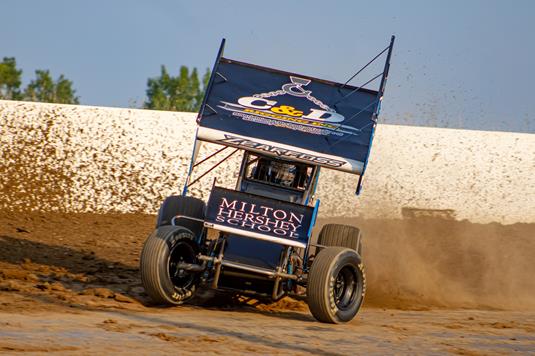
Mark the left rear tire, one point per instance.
(163, 250)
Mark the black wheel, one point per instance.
(336, 285)
(341, 235)
(163, 250)
(179, 205)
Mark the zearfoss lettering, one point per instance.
(279, 151)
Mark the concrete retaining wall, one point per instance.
(92, 159)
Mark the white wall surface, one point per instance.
(93, 159)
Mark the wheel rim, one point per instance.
(182, 252)
(346, 287)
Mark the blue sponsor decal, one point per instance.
(259, 215)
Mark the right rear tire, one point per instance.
(336, 285)
(163, 250)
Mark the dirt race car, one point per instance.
(255, 240)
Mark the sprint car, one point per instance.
(256, 239)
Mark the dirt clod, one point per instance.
(99, 292)
(57, 286)
(123, 298)
(11, 286)
(43, 286)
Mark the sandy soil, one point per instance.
(69, 283)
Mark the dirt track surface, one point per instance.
(70, 283)
(189, 330)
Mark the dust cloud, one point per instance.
(428, 262)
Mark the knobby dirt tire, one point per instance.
(330, 264)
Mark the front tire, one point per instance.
(180, 205)
(163, 249)
(336, 285)
(341, 235)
